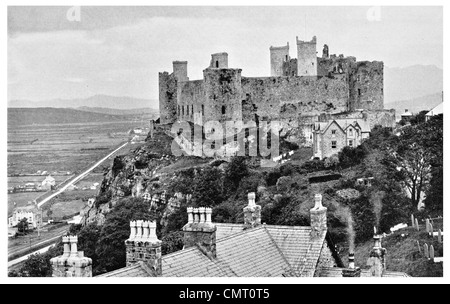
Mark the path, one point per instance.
(79, 177)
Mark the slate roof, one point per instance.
(264, 251)
(337, 272)
(137, 270)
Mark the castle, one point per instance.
(300, 91)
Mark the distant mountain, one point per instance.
(411, 82)
(97, 101)
(30, 116)
(415, 105)
(119, 111)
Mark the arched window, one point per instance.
(223, 110)
(217, 63)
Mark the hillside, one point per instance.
(415, 105)
(111, 111)
(29, 116)
(100, 101)
(402, 253)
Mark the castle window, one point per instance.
(203, 109)
(192, 109)
(187, 110)
(223, 110)
(286, 57)
(333, 144)
(217, 63)
(182, 110)
(359, 92)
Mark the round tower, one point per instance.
(278, 55)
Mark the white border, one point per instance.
(3, 237)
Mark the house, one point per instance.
(48, 183)
(439, 109)
(406, 117)
(251, 249)
(30, 212)
(331, 136)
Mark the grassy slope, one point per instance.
(402, 253)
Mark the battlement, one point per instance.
(313, 41)
(219, 61)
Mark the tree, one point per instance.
(234, 172)
(37, 265)
(22, 226)
(110, 247)
(207, 187)
(172, 242)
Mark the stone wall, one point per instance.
(290, 67)
(192, 96)
(219, 61)
(289, 97)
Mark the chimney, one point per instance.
(318, 216)
(72, 263)
(377, 261)
(252, 212)
(143, 245)
(351, 271)
(200, 231)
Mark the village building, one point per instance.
(439, 109)
(251, 249)
(406, 116)
(48, 183)
(332, 136)
(31, 212)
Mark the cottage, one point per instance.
(439, 109)
(48, 183)
(332, 136)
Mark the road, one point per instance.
(23, 258)
(79, 177)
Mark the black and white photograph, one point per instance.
(273, 141)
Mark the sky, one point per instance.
(54, 52)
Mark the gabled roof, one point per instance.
(439, 109)
(263, 251)
(343, 124)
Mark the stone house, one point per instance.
(48, 183)
(251, 249)
(30, 212)
(332, 136)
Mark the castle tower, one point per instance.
(144, 246)
(306, 57)
(72, 263)
(366, 91)
(180, 70)
(167, 98)
(219, 61)
(278, 56)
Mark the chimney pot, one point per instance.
(318, 201)
(251, 199)
(190, 211)
(201, 211)
(196, 215)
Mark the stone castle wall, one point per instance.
(167, 98)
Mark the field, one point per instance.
(63, 150)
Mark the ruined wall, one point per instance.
(278, 56)
(167, 98)
(290, 67)
(306, 57)
(289, 97)
(191, 97)
(366, 86)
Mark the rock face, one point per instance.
(132, 175)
